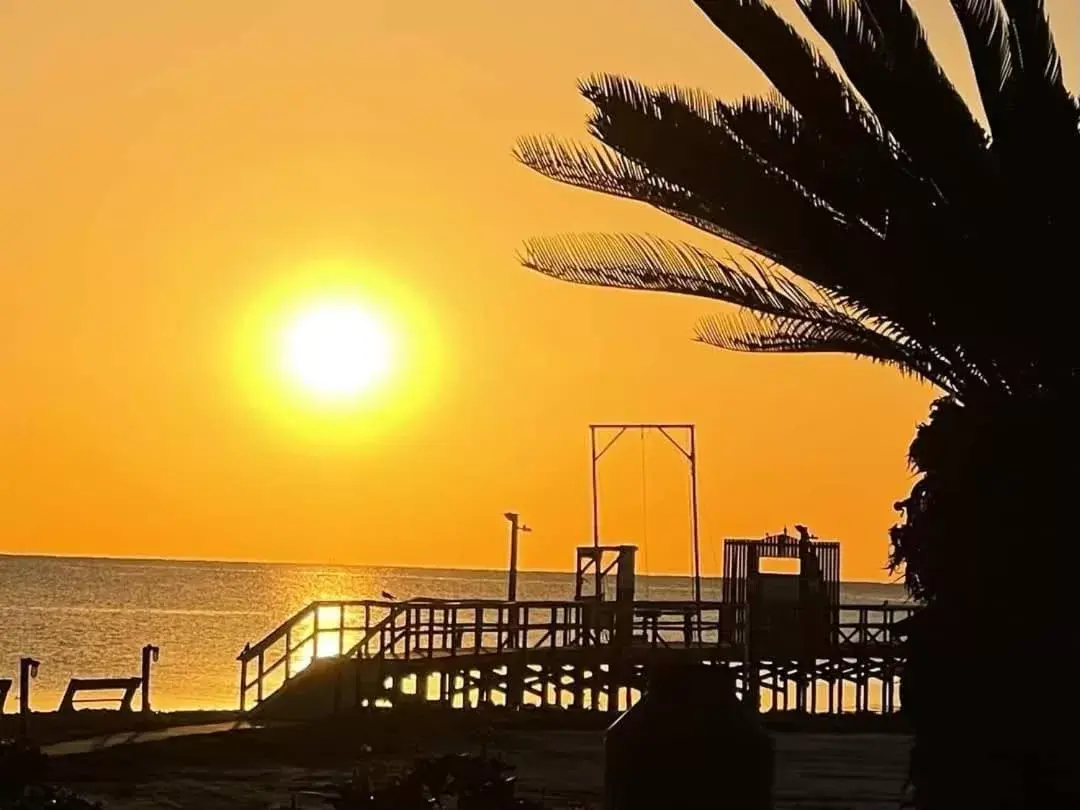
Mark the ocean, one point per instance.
(91, 617)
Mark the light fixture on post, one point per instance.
(516, 526)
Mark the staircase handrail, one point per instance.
(252, 650)
(376, 630)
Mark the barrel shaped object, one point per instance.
(689, 743)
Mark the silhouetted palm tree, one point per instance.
(875, 215)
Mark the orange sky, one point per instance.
(168, 166)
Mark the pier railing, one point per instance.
(868, 626)
(430, 629)
(322, 629)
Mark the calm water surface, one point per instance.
(91, 617)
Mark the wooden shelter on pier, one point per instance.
(791, 614)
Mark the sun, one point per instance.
(336, 353)
(337, 350)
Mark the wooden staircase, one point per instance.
(306, 657)
(331, 654)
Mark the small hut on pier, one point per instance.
(790, 614)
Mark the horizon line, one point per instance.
(236, 561)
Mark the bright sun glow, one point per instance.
(337, 350)
(336, 353)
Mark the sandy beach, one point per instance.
(273, 767)
(47, 728)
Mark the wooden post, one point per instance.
(288, 653)
(28, 670)
(339, 671)
(500, 641)
(424, 629)
(512, 573)
(623, 624)
(259, 683)
(150, 655)
(431, 632)
(887, 687)
(341, 629)
(515, 679)
(243, 676)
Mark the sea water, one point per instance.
(91, 617)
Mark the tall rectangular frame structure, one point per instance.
(597, 449)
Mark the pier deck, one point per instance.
(580, 654)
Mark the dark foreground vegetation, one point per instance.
(24, 774)
(468, 782)
(462, 781)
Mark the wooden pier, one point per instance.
(791, 645)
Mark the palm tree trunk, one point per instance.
(995, 719)
(992, 680)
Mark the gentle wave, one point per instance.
(140, 610)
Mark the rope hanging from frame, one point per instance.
(644, 520)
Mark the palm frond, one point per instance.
(1044, 129)
(987, 32)
(773, 131)
(733, 193)
(594, 169)
(1038, 52)
(633, 262)
(799, 73)
(883, 50)
(772, 213)
(683, 138)
(748, 331)
(679, 135)
(604, 170)
(1034, 119)
(761, 132)
(877, 187)
(647, 263)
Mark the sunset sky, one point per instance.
(179, 179)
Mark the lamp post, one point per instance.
(511, 580)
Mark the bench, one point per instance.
(5, 689)
(129, 686)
